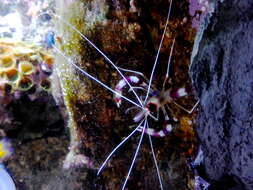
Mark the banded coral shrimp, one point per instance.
(141, 102)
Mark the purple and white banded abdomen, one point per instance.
(121, 84)
(168, 127)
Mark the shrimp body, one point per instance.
(147, 100)
(156, 101)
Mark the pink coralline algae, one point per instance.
(198, 9)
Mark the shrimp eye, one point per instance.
(152, 107)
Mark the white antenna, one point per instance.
(94, 46)
(157, 55)
(93, 78)
(119, 145)
(135, 155)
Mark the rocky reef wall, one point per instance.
(222, 74)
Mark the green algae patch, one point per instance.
(81, 15)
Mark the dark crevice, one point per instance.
(219, 65)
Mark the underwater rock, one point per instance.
(222, 75)
(129, 33)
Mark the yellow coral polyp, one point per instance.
(5, 87)
(11, 74)
(25, 68)
(25, 84)
(45, 84)
(49, 60)
(6, 62)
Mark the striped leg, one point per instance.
(168, 66)
(178, 93)
(169, 124)
(155, 160)
(188, 111)
(181, 92)
(145, 84)
(120, 85)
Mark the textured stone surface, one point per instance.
(222, 72)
